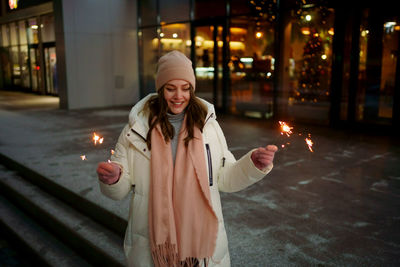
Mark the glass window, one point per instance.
(13, 34)
(35, 69)
(377, 81)
(154, 44)
(148, 59)
(262, 9)
(16, 70)
(362, 67)
(148, 12)
(168, 11)
(209, 8)
(175, 37)
(51, 70)
(204, 62)
(251, 66)
(47, 27)
(22, 32)
(5, 65)
(25, 82)
(308, 60)
(344, 102)
(32, 30)
(240, 7)
(4, 35)
(388, 73)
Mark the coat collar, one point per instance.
(138, 120)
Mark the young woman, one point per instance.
(174, 155)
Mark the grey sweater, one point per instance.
(176, 121)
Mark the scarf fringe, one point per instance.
(165, 255)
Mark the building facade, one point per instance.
(85, 52)
(317, 61)
(28, 56)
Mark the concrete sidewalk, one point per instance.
(339, 205)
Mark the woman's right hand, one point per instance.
(108, 172)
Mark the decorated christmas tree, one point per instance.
(313, 71)
(313, 76)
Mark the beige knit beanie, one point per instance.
(174, 66)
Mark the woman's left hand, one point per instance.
(263, 156)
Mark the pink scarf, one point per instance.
(182, 223)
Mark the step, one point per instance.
(93, 210)
(97, 244)
(41, 244)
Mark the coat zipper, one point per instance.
(211, 115)
(144, 139)
(210, 176)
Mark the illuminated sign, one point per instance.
(13, 4)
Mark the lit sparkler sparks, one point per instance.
(309, 143)
(285, 128)
(97, 139)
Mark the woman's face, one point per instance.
(177, 95)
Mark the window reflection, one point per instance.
(47, 28)
(33, 31)
(149, 57)
(156, 42)
(389, 60)
(208, 63)
(251, 66)
(168, 12)
(309, 59)
(4, 35)
(5, 56)
(148, 12)
(364, 32)
(380, 110)
(22, 32)
(174, 37)
(21, 55)
(13, 34)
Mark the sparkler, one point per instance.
(97, 139)
(286, 129)
(309, 143)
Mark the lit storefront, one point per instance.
(314, 61)
(27, 47)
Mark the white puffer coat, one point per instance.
(131, 153)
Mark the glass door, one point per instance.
(251, 66)
(307, 51)
(208, 63)
(35, 71)
(51, 70)
(379, 45)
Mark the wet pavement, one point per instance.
(336, 206)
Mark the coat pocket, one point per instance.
(210, 173)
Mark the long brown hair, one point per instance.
(157, 107)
